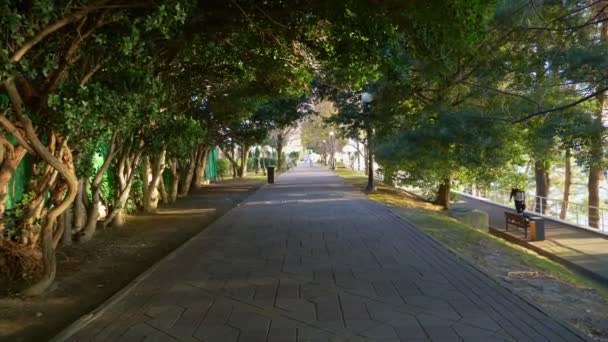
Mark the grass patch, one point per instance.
(467, 242)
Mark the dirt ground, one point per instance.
(90, 273)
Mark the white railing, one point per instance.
(576, 214)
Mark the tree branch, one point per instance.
(51, 28)
(538, 106)
(9, 127)
(566, 106)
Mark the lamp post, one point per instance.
(367, 99)
(332, 150)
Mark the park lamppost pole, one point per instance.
(332, 150)
(367, 99)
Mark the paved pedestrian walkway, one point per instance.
(579, 247)
(311, 259)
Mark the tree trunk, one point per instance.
(594, 199)
(234, 163)
(175, 181)
(80, 211)
(366, 158)
(244, 160)
(280, 141)
(201, 163)
(595, 171)
(62, 197)
(567, 184)
(443, 194)
(186, 179)
(127, 167)
(151, 195)
(541, 177)
(236, 168)
(164, 196)
(93, 208)
(68, 222)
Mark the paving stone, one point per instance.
(216, 332)
(312, 259)
(381, 332)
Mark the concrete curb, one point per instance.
(85, 320)
(574, 267)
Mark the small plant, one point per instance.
(223, 168)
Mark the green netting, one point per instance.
(18, 183)
(23, 173)
(211, 170)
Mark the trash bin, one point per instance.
(270, 174)
(537, 228)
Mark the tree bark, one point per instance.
(93, 208)
(127, 167)
(236, 168)
(186, 179)
(146, 175)
(370, 160)
(235, 165)
(164, 196)
(567, 184)
(151, 195)
(175, 181)
(280, 142)
(80, 211)
(62, 198)
(366, 158)
(68, 223)
(201, 163)
(244, 160)
(443, 194)
(541, 177)
(595, 171)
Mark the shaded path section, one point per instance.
(580, 247)
(90, 273)
(312, 259)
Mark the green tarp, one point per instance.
(18, 184)
(211, 171)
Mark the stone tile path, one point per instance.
(311, 259)
(579, 247)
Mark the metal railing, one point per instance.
(574, 214)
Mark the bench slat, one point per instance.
(518, 221)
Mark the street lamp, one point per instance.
(367, 99)
(332, 150)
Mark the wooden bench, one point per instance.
(518, 221)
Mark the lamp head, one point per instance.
(331, 133)
(367, 97)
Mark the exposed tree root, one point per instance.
(19, 265)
